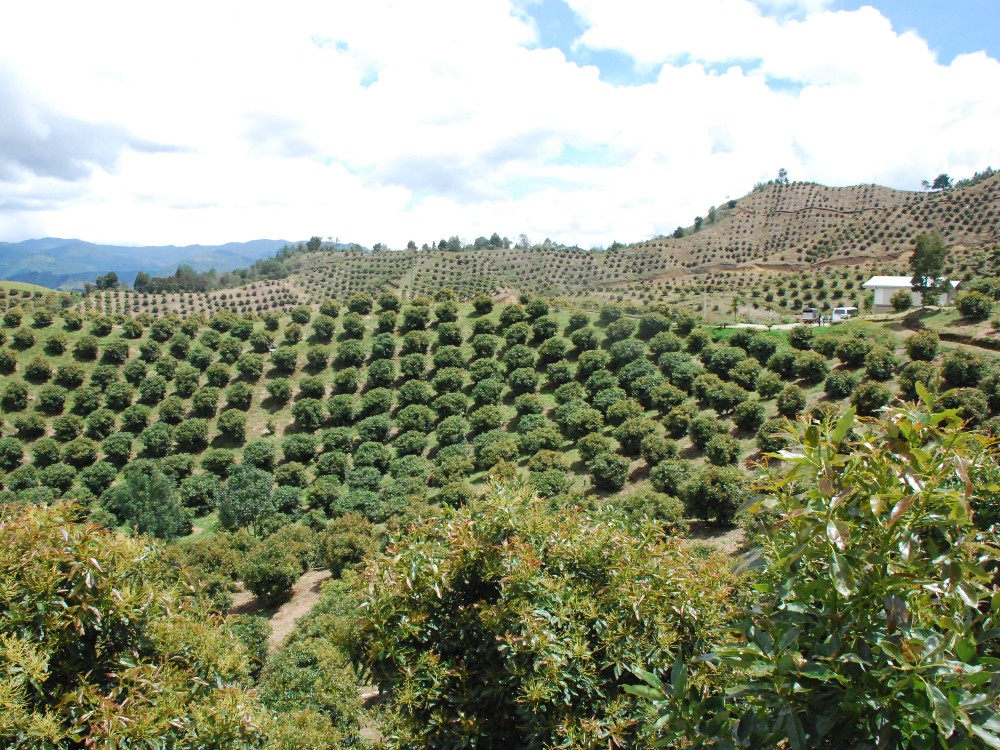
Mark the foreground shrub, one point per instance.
(703, 428)
(888, 574)
(880, 364)
(97, 621)
(669, 476)
(769, 384)
(791, 401)
(917, 372)
(609, 471)
(346, 541)
(715, 494)
(922, 346)
(840, 383)
(852, 350)
(481, 632)
(148, 502)
(901, 300)
(313, 674)
(961, 369)
(749, 415)
(974, 305)
(723, 450)
(771, 435)
(970, 402)
(801, 337)
(869, 397)
(646, 505)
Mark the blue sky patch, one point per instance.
(949, 28)
(558, 27)
(597, 155)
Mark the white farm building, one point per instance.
(886, 286)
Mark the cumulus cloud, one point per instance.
(386, 121)
(38, 142)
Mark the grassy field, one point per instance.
(24, 287)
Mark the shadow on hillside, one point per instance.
(248, 604)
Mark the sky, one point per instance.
(582, 121)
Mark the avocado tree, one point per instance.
(98, 622)
(878, 624)
(510, 626)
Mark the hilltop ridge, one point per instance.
(797, 227)
(800, 228)
(67, 263)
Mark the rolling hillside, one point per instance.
(756, 246)
(67, 263)
(434, 459)
(799, 228)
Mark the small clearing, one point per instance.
(305, 596)
(729, 540)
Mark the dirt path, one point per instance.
(726, 539)
(305, 595)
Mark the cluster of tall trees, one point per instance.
(187, 279)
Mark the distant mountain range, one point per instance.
(67, 264)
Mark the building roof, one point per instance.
(897, 282)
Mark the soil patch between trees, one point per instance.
(305, 596)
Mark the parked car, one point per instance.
(840, 314)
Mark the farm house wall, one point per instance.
(883, 296)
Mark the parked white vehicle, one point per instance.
(840, 314)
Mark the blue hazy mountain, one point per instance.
(66, 264)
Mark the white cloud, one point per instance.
(388, 121)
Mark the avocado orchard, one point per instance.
(366, 422)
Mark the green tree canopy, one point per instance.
(512, 626)
(102, 647)
(247, 498)
(147, 501)
(877, 624)
(927, 264)
(942, 182)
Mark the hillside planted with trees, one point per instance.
(378, 406)
(784, 246)
(507, 622)
(513, 477)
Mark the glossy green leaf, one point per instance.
(796, 734)
(678, 676)
(836, 532)
(844, 424)
(840, 572)
(900, 508)
(649, 678)
(923, 394)
(944, 714)
(989, 738)
(644, 691)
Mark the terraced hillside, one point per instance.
(796, 227)
(756, 254)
